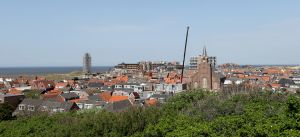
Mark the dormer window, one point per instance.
(21, 107)
(30, 108)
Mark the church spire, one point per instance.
(204, 52)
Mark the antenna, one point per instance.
(186, 39)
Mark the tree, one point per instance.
(6, 111)
(34, 94)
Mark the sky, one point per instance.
(59, 32)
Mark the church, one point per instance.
(206, 77)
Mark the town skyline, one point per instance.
(34, 35)
(140, 68)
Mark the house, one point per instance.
(105, 96)
(2, 86)
(107, 88)
(286, 82)
(122, 92)
(134, 96)
(44, 85)
(233, 80)
(151, 102)
(33, 106)
(160, 97)
(118, 106)
(15, 91)
(95, 85)
(53, 107)
(62, 85)
(118, 98)
(14, 84)
(28, 107)
(51, 95)
(11, 99)
(170, 87)
(296, 79)
(133, 86)
(147, 86)
(69, 96)
(82, 94)
(95, 97)
(275, 86)
(23, 80)
(90, 104)
(146, 95)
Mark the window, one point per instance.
(196, 85)
(30, 108)
(215, 85)
(204, 85)
(88, 106)
(80, 105)
(44, 108)
(21, 107)
(54, 110)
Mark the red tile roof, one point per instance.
(105, 96)
(117, 98)
(151, 102)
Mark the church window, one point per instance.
(204, 83)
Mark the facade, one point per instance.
(118, 106)
(32, 106)
(44, 85)
(87, 63)
(174, 88)
(194, 63)
(205, 77)
(90, 104)
(149, 66)
(296, 79)
(129, 66)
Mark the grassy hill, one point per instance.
(59, 77)
(194, 113)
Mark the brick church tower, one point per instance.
(205, 77)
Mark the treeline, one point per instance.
(194, 113)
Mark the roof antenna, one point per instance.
(186, 39)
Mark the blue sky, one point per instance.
(59, 32)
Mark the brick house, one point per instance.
(44, 85)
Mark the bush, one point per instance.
(193, 113)
(6, 111)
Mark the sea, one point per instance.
(17, 71)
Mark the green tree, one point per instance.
(6, 111)
(34, 94)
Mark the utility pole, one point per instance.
(186, 39)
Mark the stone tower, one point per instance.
(205, 77)
(87, 63)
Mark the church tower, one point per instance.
(205, 77)
(204, 58)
